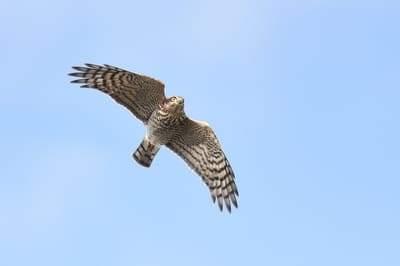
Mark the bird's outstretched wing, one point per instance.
(198, 146)
(139, 93)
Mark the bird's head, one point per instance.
(174, 104)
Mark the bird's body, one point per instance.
(165, 121)
(167, 124)
(164, 124)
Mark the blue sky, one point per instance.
(303, 95)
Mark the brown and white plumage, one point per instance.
(140, 94)
(167, 124)
(198, 146)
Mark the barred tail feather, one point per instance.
(145, 153)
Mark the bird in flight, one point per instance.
(166, 124)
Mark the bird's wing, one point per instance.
(139, 93)
(198, 146)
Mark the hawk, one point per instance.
(167, 124)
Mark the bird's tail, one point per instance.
(145, 153)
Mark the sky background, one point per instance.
(303, 95)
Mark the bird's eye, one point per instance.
(173, 99)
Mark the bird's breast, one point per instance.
(160, 128)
